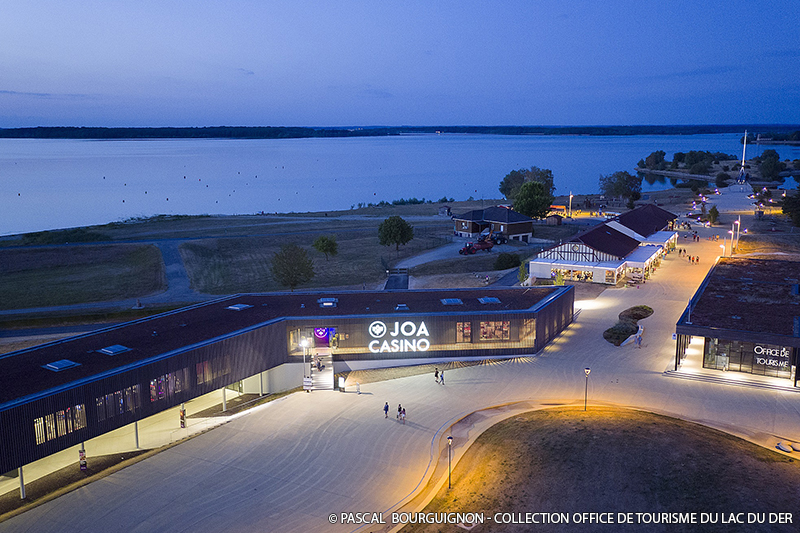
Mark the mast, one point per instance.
(744, 148)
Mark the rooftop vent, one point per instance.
(401, 307)
(114, 350)
(328, 302)
(58, 366)
(238, 307)
(489, 300)
(451, 301)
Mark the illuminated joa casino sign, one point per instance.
(405, 337)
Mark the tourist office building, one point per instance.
(747, 311)
(61, 394)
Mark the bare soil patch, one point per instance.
(616, 460)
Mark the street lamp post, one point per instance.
(570, 204)
(732, 233)
(449, 460)
(738, 223)
(304, 344)
(586, 390)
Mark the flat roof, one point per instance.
(23, 372)
(749, 294)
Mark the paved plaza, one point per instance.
(286, 466)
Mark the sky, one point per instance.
(391, 62)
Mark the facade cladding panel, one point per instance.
(144, 381)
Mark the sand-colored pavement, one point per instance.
(288, 465)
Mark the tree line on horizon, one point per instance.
(291, 132)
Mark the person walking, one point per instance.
(386, 410)
(358, 387)
(399, 410)
(403, 415)
(441, 378)
(436, 375)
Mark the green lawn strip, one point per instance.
(627, 324)
(43, 277)
(612, 460)
(224, 266)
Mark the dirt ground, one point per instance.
(619, 461)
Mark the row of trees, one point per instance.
(291, 265)
(531, 190)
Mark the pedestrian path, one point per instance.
(307, 457)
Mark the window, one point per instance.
(101, 409)
(495, 331)
(60, 423)
(50, 426)
(463, 331)
(38, 428)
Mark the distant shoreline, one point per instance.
(274, 132)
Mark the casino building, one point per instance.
(747, 311)
(61, 394)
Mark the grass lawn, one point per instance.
(615, 460)
(42, 277)
(224, 266)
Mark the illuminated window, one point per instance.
(80, 417)
(50, 426)
(495, 331)
(463, 331)
(38, 428)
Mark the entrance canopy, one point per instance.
(643, 256)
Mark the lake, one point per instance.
(50, 184)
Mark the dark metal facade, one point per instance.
(36, 426)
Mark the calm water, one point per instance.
(64, 183)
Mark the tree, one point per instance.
(291, 266)
(511, 183)
(622, 184)
(326, 245)
(395, 230)
(655, 161)
(522, 273)
(533, 200)
(713, 214)
(791, 207)
(771, 165)
(722, 179)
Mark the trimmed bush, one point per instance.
(506, 260)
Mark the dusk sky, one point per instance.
(384, 62)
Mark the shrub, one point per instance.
(506, 260)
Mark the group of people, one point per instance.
(401, 412)
(694, 235)
(438, 376)
(693, 259)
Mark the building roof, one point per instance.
(494, 214)
(646, 219)
(105, 351)
(608, 240)
(749, 294)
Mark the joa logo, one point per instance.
(407, 337)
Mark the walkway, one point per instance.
(290, 464)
